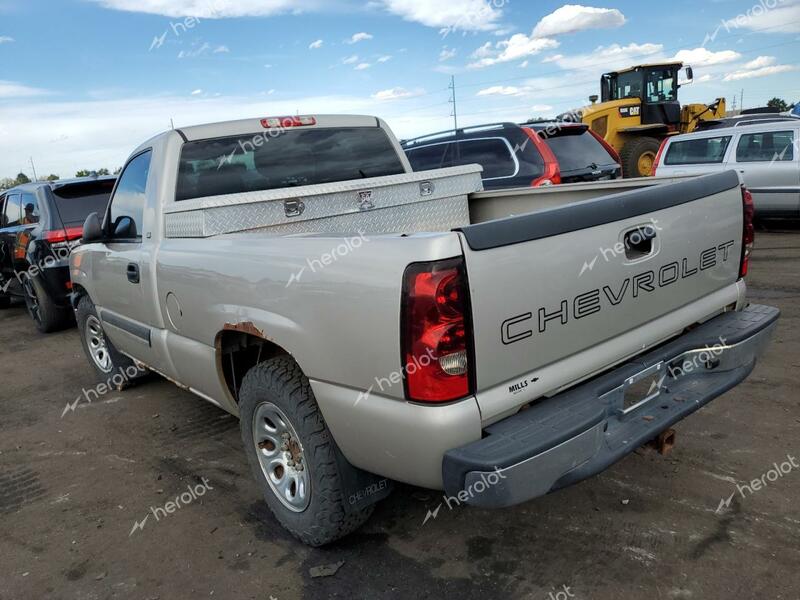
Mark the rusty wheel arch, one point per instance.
(240, 347)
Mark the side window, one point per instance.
(12, 214)
(493, 154)
(129, 197)
(697, 151)
(771, 146)
(428, 158)
(30, 209)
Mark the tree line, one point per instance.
(22, 178)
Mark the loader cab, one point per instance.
(656, 86)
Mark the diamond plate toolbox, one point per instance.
(408, 203)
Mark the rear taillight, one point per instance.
(436, 334)
(61, 241)
(552, 172)
(659, 154)
(609, 148)
(749, 230)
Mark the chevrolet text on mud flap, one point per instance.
(631, 288)
(385, 366)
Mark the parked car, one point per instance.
(766, 155)
(40, 223)
(528, 155)
(367, 326)
(746, 119)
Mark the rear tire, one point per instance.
(287, 442)
(109, 364)
(637, 154)
(45, 314)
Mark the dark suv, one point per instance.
(531, 154)
(40, 223)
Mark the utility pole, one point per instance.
(741, 102)
(454, 114)
(34, 170)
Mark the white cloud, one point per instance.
(350, 60)
(701, 57)
(197, 92)
(362, 66)
(384, 59)
(608, 58)
(552, 58)
(499, 90)
(541, 108)
(12, 89)
(221, 50)
(571, 18)
(210, 9)
(452, 15)
(447, 53)
(524, 64)
(4, 39)
(396, 94)
(762, 72)
(517, 47)
(359, 37)
(316, 45)
(781, 19)
(760, 62)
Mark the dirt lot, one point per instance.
(72, 489)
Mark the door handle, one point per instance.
(133, 272)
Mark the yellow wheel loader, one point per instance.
(639, 108)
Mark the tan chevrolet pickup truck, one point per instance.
(370, 324)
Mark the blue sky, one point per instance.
(82, 82)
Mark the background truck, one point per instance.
(639, 108)
(369, 324)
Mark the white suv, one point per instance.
(767, 156)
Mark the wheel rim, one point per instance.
(280, 454)
(32, 301)
(96, 343)
(645, 163)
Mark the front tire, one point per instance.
(45, 314)
(293, 455)
(639, 157)
(108, 363)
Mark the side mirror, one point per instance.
(689, 75)
(125, 229)
(92, 230)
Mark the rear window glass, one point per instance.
(493, 154)
(428, 158)
(578, 152)
(766, 147)
(697, 151)
(280, 159)
(77, 201)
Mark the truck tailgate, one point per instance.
(563, 294)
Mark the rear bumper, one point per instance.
(583, 431)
